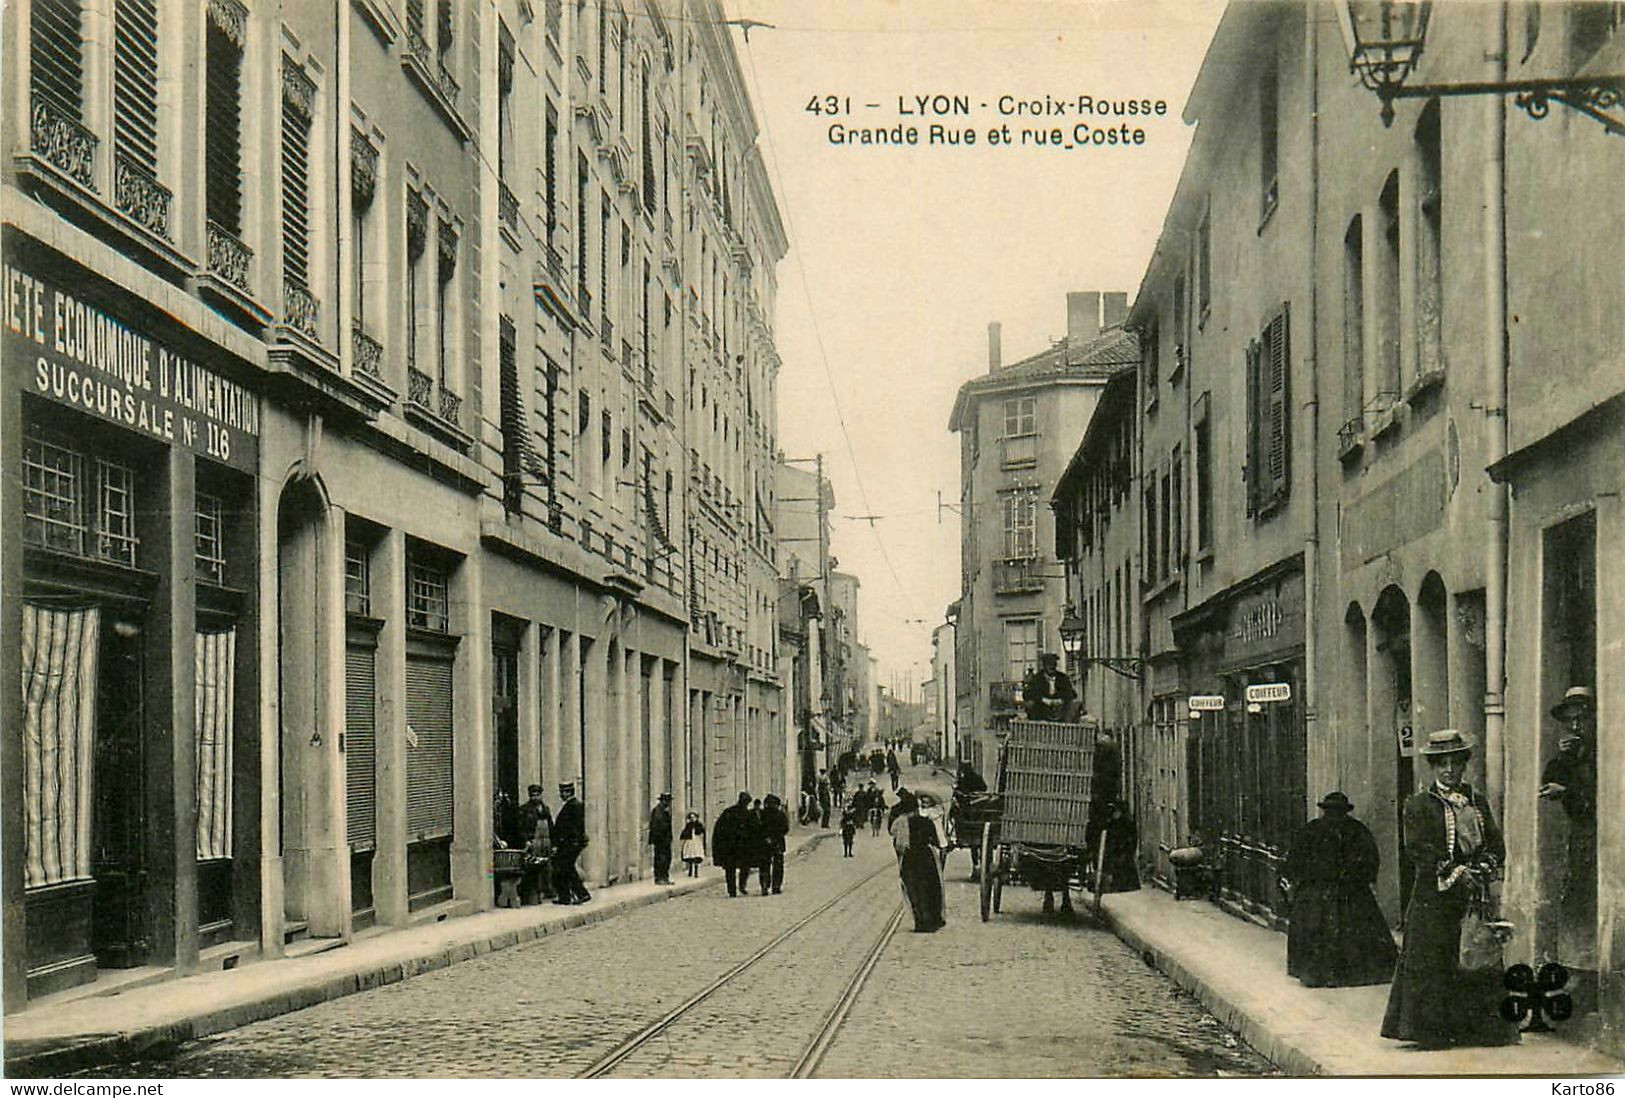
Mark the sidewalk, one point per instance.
(1238, 971)
(74, 1032)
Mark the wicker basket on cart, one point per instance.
(1045, 776)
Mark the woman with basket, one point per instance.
(1447, 987)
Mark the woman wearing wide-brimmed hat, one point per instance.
(1338, 937)
(1456, 851)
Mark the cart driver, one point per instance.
(1048, 694)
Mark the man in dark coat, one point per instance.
(1338, 936)
(660, 838)
(893, 770)
(775, 828)
(1570, 779)
(1456, 851)
(823, 799)
(569, 840)
(536, 840)
(733, 841)
(1047, 693)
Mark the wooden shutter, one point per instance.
(135, 82)
(429, 786)
(57, 71)
(361, 745)
(1278, 440)
(511, 414)
(295, 185)
(223, 123)
(1254, 473)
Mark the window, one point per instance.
(1204, 477)
(1151, 361)
(607, 328)
(505, 50)
(222, 143)
(583, 295)
(550, 140)
(115, 535)
(445, 319)
(357, 579)
(135, 114)
(1269, 436)
(210, 551)
(1176, 514)
(417, 239)
(606, 428)
(1204, 266)
(1019, 538)
(1268, 132)
(1591, 23)
(53, 496)
(363, 187)
(1180, 334)
(445, 31)
(1020, 416)
(1429, 244)
(649, 189)
(427, 599)
(1387, 292)
(1151, 526)
(1354, 322)
(1021, 648)
(512, 416)
(57, 73)
(297, 102)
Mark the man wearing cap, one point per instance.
(1570, 779)
(1338, 936)
(1456, 851)
(775, 827)
(569, 840)
(660, 838)
(536, 834)
(1047, 694)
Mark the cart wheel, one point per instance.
(989, 873)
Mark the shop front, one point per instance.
(1247, 760)
(137, 650)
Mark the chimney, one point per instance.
(1082, 317)
(993, 353)
(1116, 309)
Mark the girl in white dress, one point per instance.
(693, 838)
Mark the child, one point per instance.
(693, 837)
(849, 828)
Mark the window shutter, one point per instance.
(1253, 474)
(361, 746)
(223, 119)
(295, 175)
(429, 787)
(1279, 440)
(135, 82)
(57, 71)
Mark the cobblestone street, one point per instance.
(1023, 995)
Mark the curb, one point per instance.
(1279, 1051)
(48, 1060)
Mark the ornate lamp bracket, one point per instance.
(1601, 99)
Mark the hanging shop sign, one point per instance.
(1266, 692)
(73, 353)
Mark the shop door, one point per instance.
(430, 786)
(505, 730)
(117, 930)
(361, 768)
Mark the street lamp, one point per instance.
(1073, 629)
(1385, 40)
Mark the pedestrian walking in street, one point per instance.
(915, 839)
(877, 808)
(849, 829)
(733, 844)
(569, 840)
(893, 770)
(660, 838)
(693, 839)
(1457, 852)
(775, 828)
(536, 829)
(823, 799)
(1337, 936)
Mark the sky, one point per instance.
(901, 255)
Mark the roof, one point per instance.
(1094, 362)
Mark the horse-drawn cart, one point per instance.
(1040, 836)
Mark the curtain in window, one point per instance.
(215, 658)
(59, 731)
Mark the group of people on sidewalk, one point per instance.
(550, 845)
(751, 834)
(1447, 975)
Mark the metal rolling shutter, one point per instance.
(429, 789)
(360, 747)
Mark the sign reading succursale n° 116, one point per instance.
(73, 353)
(1269, 692)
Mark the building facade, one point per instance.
(350, 388)
(944, 704)
(1018, 425)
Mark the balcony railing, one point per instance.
(138, 194)
(419, 388)
(451, 405)
(229, 258)
(1017, 575)
(432, 66)
(508, 208)
(367, 353)
(64, 143)
(300, 309)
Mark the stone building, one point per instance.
(1018, 425)
(944, 697)
(350, 386)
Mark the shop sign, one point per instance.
(1206, 703)
(1265, 622)
(1266, 692)
(73, 353)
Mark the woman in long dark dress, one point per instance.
(915, 839)
(1456, 851)
(1337, 937)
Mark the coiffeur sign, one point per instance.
(71, 352)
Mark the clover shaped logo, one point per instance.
(1536, 997)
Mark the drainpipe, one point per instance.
(1495, 368)
(1313, 756)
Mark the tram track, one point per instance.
(829, 1025)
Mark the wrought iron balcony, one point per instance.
(1351, 437)
(507, 208)
(432, 66)
(367, 352)
(419, 388)
(139, 194)
(451, 405)
(229, 257)
(1017, 575)
(300, 309)
(65, 143)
